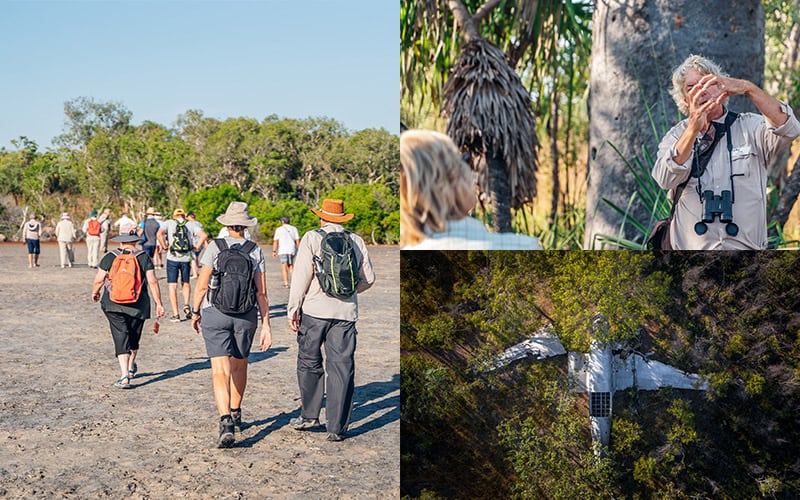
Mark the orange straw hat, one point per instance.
(332, 211)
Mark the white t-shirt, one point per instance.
(286, 236)
(224, 233)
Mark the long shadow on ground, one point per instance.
(255, 357)
(367, 400)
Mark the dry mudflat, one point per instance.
(66, 432)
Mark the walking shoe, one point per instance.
(300, 423)
(187, 311)
(334, 437)
(236, 416)
(175, 318)
(226, 437)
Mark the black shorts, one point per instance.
(125, 330)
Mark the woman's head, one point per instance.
(435, 184)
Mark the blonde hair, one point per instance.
(436, 185)
(703, 65)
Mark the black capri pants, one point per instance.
(125, 330)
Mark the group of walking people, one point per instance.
(230, 296)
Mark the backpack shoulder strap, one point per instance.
(248, 246)
(222, 244)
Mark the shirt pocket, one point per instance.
(742, 160)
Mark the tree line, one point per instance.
(278, 165)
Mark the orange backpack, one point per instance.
(124, 279)
(93, 227)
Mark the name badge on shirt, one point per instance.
(741, 152)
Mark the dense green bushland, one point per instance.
(278, 165)
(732, 317)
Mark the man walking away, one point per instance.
(65, 234)
(327, 316)
(105, 230)
(284, 246)
(176, 236)
(92, 229)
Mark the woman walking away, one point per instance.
(230, 293)
(125, 300)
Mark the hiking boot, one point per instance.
(300, 423)
(187, 311)
(236, 417)
(226, 430)
(334, 437)
(175, 318)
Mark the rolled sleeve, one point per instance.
(666, 172)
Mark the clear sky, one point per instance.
(292, 58)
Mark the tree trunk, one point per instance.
(635, 46)
(554, 159)
(500, 192)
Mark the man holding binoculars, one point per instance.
(715, 160)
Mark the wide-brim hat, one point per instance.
(126, 238)
(177, 212)
(237, 215)
(332, 211)
(150, 211)
(64, 216)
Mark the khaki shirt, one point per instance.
(755, 143)
(305, 293)
(65, 231)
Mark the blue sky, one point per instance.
(291, 58)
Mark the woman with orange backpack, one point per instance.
(125, 300)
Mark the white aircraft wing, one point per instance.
(650, 375)
(544, 344)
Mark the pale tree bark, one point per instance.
(635, 46)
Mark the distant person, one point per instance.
(198, 229)
(177, 237)
(227, 314)
(437, 193)
(148, 232)
(716, 160)
(125, 300)
(105, 222)
(92, 228)
(125, 224)
(327, 316)
(284, 247)
(32, 233)
(65, 234)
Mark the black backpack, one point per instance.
(337, 266)
(232, 288)
(180, 239)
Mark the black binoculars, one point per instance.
(717, 206)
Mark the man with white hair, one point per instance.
(714, 161)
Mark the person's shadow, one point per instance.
(205, 364)
(367, 400)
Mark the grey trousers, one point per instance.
(339, 337)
